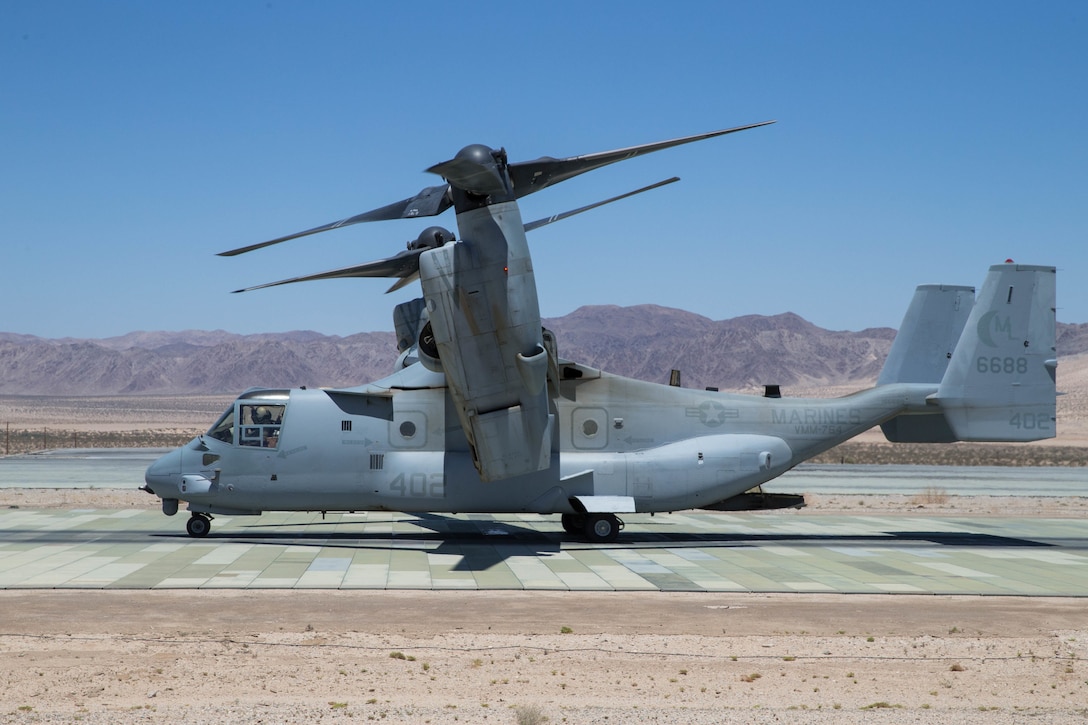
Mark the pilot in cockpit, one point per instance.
(263, 417)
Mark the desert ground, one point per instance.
(521, 657)
(518, 657)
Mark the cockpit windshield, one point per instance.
(250, 423)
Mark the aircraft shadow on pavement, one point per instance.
(484, 543)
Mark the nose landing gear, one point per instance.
(198, 525)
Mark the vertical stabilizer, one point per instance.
(1000, 382)
(921, 352)
(928, 335)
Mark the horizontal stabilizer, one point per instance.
(908, 428)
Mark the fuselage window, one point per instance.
(260, 424)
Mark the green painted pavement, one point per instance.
(764, 552)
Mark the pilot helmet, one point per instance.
(262, 415)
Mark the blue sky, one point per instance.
(916, 142)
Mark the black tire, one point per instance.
(574, 523)
(198, 526)
(602, 528)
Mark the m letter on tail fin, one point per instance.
(1000, 382)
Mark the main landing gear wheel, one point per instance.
(574, 523)
(602, 528)
(198, 525)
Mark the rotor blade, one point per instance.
(431, 201)
(405, 264)
(567, 214)
(532, 176)
(403, 281)
(470, 176)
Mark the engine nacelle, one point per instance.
(427, 350)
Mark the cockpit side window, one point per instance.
(260, 424)
(223, 430)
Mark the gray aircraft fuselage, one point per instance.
(668, 448)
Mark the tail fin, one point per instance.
(921, 352)
(932, 326)
(1000, 381)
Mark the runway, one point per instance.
(766, 552)
(790, 551)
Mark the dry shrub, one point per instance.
(954, 454)
(27, 441)
(932, 496)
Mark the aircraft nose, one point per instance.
(164, 473)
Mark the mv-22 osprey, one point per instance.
(483, 415)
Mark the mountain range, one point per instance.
(644, 341)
